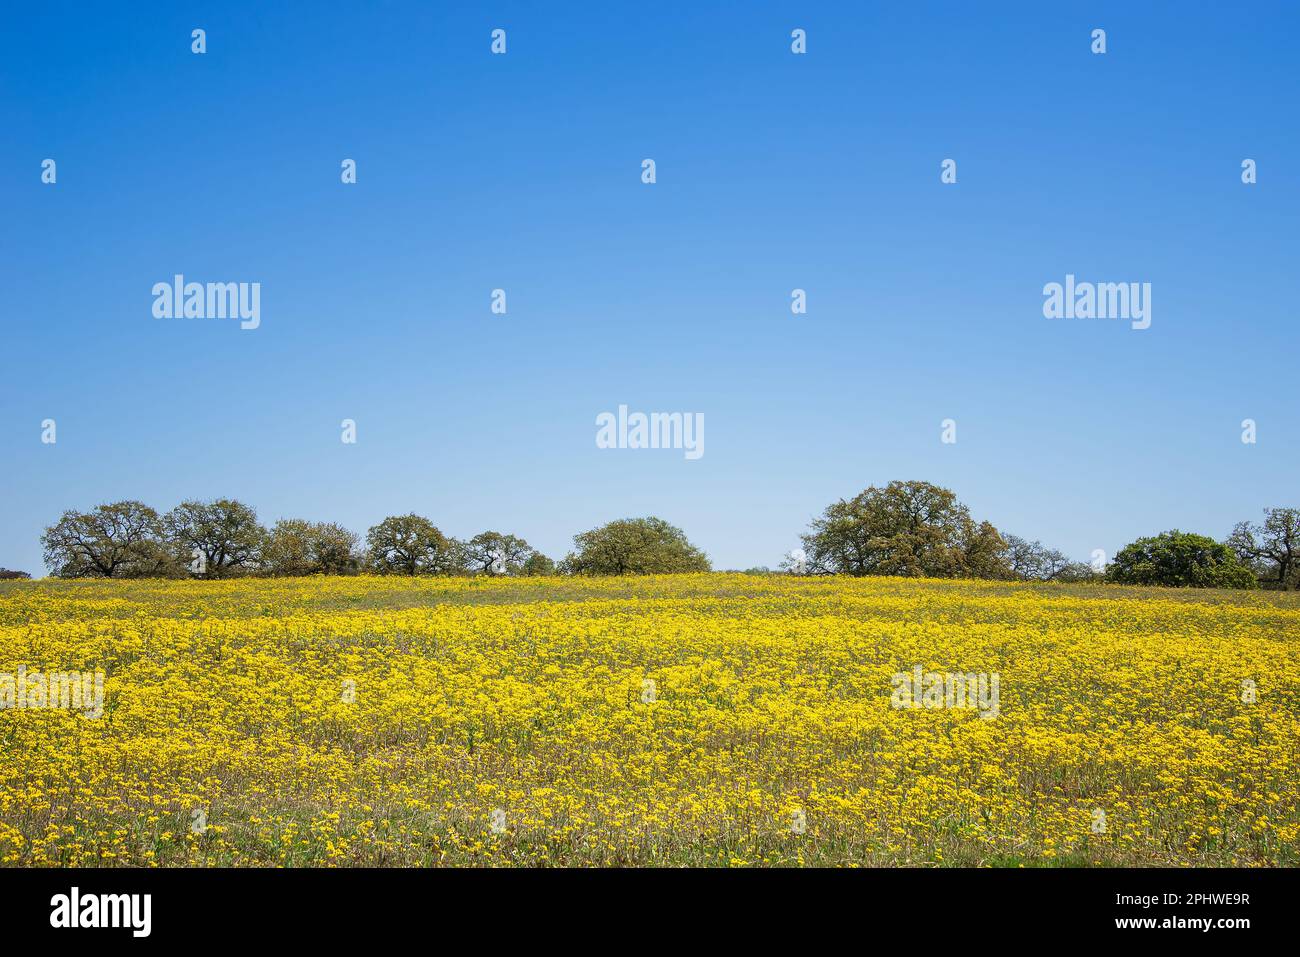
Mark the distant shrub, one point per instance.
(905, 528)
(412, 545)
(298, 547)
(634, 546)
(1181, 560)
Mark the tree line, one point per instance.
(905, 528)
(919, 529)
(224, 539)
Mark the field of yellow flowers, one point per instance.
(679, 720)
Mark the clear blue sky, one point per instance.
(775, 171)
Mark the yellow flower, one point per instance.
(666, 720)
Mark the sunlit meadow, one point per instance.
(386, 721)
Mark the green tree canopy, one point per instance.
(906, 528)
(217, 539)
(538, 564)
(1180, 559)
(298, 547)
(1272, 548)
(118, 540)
(411, 545)
(634, 546)
(492, 553)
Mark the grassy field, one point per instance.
(699, 720)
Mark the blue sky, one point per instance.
(775, 171)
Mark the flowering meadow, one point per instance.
(705, 719)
